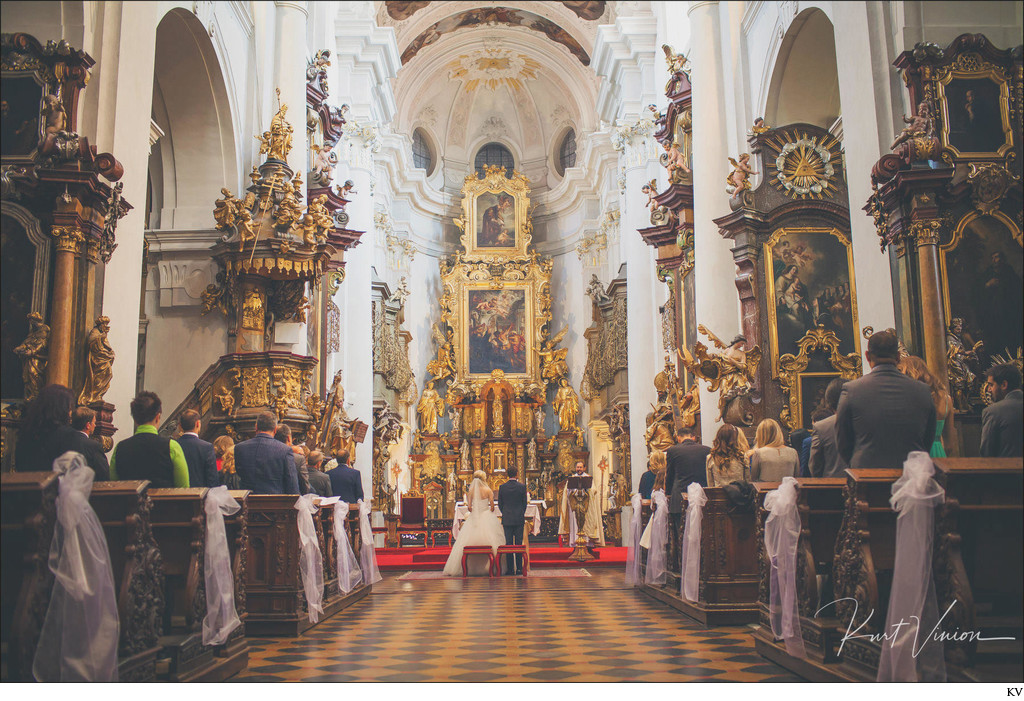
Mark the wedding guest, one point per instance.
(825, 460)
(647, 481)
(687, 462)
(727, 460)
(915, 368)
(318, 481)
(147, 455)
(884, 415)
(346, 482)
(797, 438)
(45, 429)
(264, 465)
(283, 434)
(224, 449)
(83, 420)
(771, 459)
(1001, 421)
(200, 455)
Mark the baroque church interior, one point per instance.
(512, 341)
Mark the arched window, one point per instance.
(567, 151)
(494, 154)
(422, 157)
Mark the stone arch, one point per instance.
(196, 156)
(804, 84)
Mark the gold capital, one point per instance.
(925, 232)
(69, 238)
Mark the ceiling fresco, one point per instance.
(587, 9)
(476, 17)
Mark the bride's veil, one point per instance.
(475, 490)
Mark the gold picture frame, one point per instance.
(793, 369)
(826, 241)
(971, 68)
(487, 205)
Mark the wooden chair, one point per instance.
(523, 549)
(412, 518)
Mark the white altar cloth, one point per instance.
(533, 510)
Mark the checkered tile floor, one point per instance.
(588, 629)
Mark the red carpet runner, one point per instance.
(415, 558)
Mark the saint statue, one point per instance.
(430, 407)
(33, 355)
(277, 142)
(497, 416)
(732, 372)
(567, 404)
(958, 364)
(464, 465)
(531, 455)
(552, 359)
(99, 359)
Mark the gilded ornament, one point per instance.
(252, 311)
(255, 387)
(276, 142)
(99, 361)
(731, 373)
(69, 239)
(925, 232)
(33, 352)
(959, 360)
(921, 124)
(566, 406)
(430, 407)
(791, 366)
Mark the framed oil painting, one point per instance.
(498, 334)
(494, 221)
(982, 268)
(975, 114)
(811, 392)
(810, 283)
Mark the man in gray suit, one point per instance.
(1001, 422)
(825, 460)
(884, 415)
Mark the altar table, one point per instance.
(533, 510)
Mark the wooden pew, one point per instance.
(334, 598)
(237, 648)
(27, 515)
(179, 528)
(820, 502)
(978, 565)
(275, 598)
(728, 567)
(123, 509)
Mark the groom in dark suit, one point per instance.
(512, 504)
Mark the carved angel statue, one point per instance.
(401, 292)
(689, 405)
(553, 365)
(431, 406)
(731, 373)
(444, 365)
(322, 218)
(758, 127)
(567, 406)
(226, 209)
(347, 189)
(920, 124)
(56, 117)
(317, 67)
(99, 359)
(674, 160)
(739, 178)
(595, 290)
(650, 189)
(226, 398)
(324, 163)
(246, 232)
(288, 209)
(33, 355)
(675, 62)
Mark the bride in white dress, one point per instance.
(481, 527)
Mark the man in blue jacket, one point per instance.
(264, 465)
(346, 482)
(202, 462)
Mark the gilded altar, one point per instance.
(499, 371)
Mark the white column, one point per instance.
(715, 298)
(359, 144)
(637, 157)
(123, 117)
(868, 124)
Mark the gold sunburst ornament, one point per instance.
(803, 165)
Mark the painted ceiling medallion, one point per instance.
(803, 164)
(492, 67)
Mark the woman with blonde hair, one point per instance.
(224, 451)
(727, 461)
(771, 459)
(915, 368)
(658, 461)
(481, 527)
(655, 536)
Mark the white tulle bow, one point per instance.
(689, 585)
(349, 574)
(781, 536)
(221, 617)
(311, 563)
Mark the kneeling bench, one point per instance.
(515, 550)
(480, 550)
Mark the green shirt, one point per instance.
(177, 458)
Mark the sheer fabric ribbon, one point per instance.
(78, 640)
(349, 574)
(633, 544)
(908, 653)
(221, 617)
(689, 586)
(311, 562)
(781, 534)
(367, 553)
(656, 556)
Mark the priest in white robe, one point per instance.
(594, 525)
